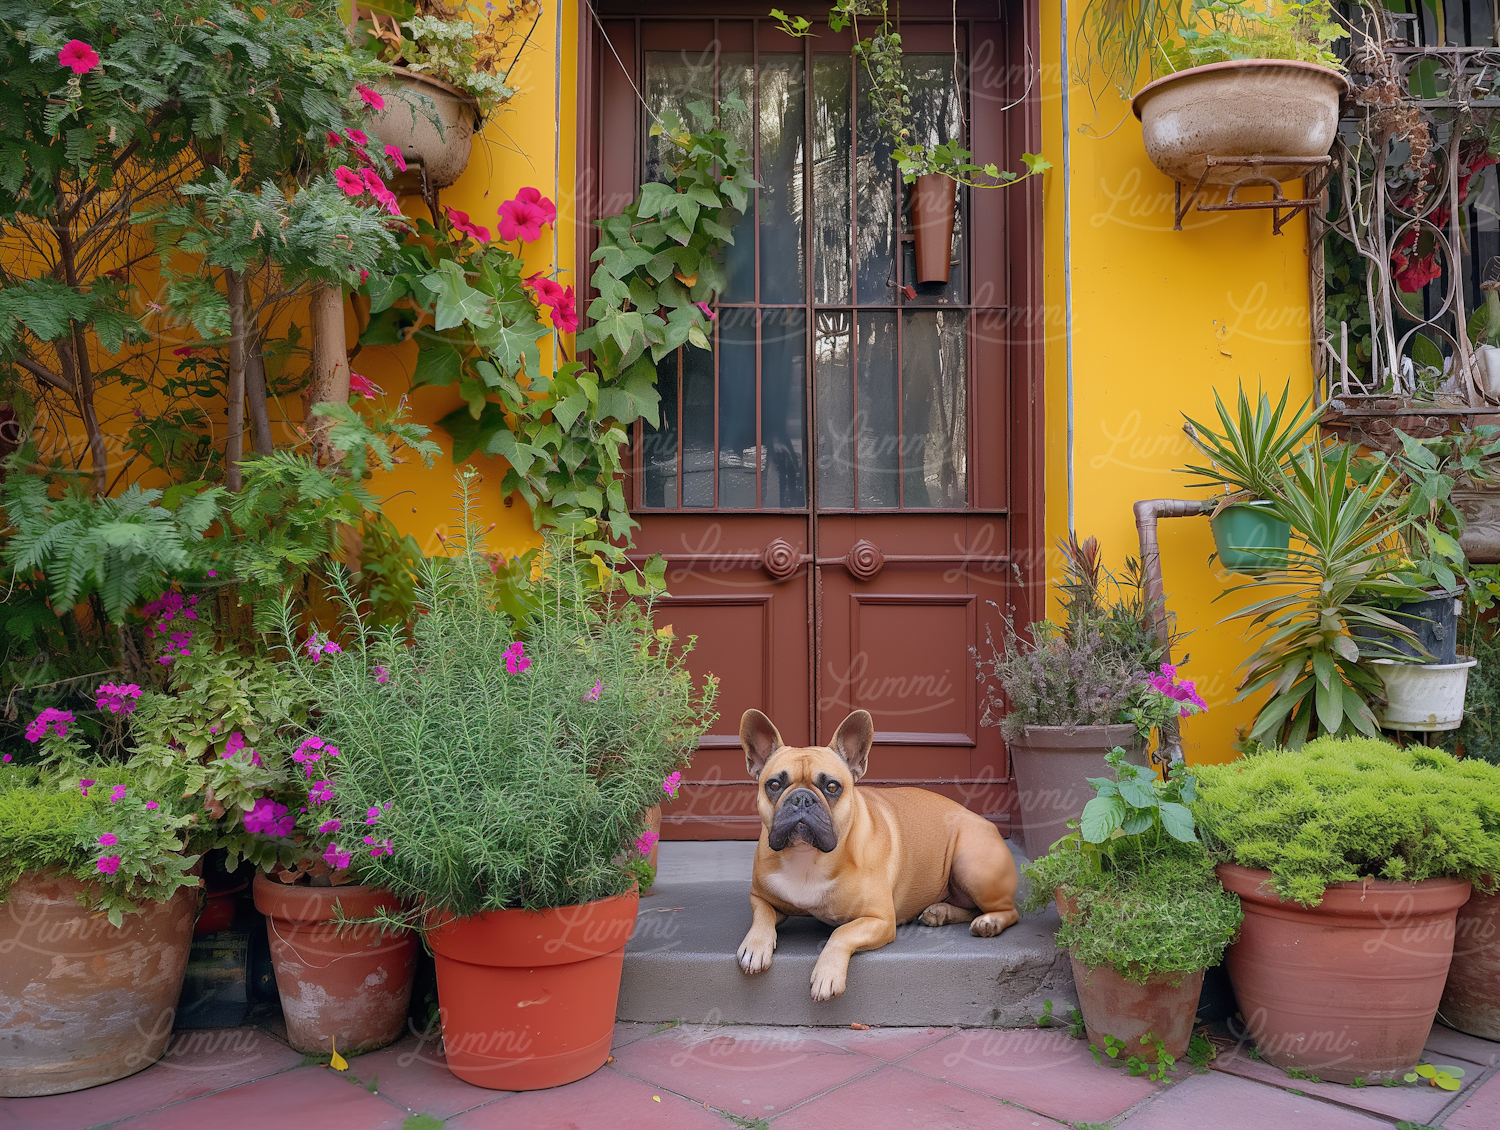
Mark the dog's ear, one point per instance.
(759, 739)
(852, 741)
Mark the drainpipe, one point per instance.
(1147, 511)
(1067, 195)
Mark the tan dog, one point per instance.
(862, 861)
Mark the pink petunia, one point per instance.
(328, 827)
(372, 180)
(117, 794)
(117, 697)
(671, 784)
(365, 387)
(397, 157)
(462, 223)
(380, 848)
(357, 136)
(109, 839)
(548, 292)
(349, 181)
(108, 865)
(152, 804)
(335, 858)
(370, 98)
(707, 313)
(78, 57)
(52, 719)
(334, 139)
(645, 842)
(321, 792)
(524, 217)
(5, 760)
(565, 313)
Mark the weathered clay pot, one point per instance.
(932, 209)
(431, 122)
(528, 998)
(1245, 108)
(1471, 999)
(83, 1002)
(1050, 764)
(1480, 540)
(1347, 989)
(347, 990)
(1128, 1010)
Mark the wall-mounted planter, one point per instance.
(1050, 764)
(1250, 537)
(431, 122)
(1481, 510)
(1246, 108)
(933, 199)
(1422, 697)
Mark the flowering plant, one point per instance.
(458, 49)
(480, 775)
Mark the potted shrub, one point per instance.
(495, 769)
(1248, 81)
(1351, 859)
(1245, 460)
(1077, 689)
(99, 901)
(1142, 913)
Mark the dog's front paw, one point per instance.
(755, 954)
(829, 979)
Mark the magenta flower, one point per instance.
(462, 223)
(109, 839)
(335, 858)
(116, 697)
(5, 760)
(548, 292)
(328, 827)
(334, 140)
(152, 804)
(369, 97)
(331, 648)
(593, 693)
(78, 57)
(365, 387)
(516, 659)
(382, 847)
(349, 181)
(381, 675)
(1185, 692)
(117, 794)
(524, 217)
(646, 842)
(707, 313)
(321, 792)
(397, 157)
(85, 785)
(357, 136)
(373, 815)
(270, 818)
(49, 719)
(671, 784)
(108, 865)
(565, 312)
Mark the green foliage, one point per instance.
(1201, 1051)
(644, 873)
(1256, 29)
(460, 51)
(509, 785)
(1479, 735)
(1140, 891)
(1341, 811)
(1249, 458)
(44, 826)
(1444, 1076)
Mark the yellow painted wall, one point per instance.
(1160, 320)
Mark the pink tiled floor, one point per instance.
(688, 1078)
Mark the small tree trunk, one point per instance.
(330, 367)
(234, 438)
(256, 396)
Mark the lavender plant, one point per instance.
(481, 771)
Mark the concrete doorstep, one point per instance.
(681, 965)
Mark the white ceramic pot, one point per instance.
(431, 122)
(1245, 108)
(1422, 697)
(1489, 369)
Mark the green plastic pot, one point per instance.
(1250, 537)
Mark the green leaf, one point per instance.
(438, 364)
(653, 196)
(455, 301)
(1138, 793)
(1101, 816)
(1177, 821)
(471, 435)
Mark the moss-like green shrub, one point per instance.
(1339, 811)
(126, 847)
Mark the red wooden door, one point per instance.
(846, 488)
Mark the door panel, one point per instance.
(832, 485)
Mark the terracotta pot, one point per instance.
(1050, 764)
(1128, 1010)
(1347, 989)
(1480, 540)
(1245, 108)
(932, 205)
(1471, 999)
(83, 1002)
(346, 990)
(431, 122)
(527, 998)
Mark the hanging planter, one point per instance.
(1246, 108)
(1471, 998)
(528, 997)
(1422, 697)
(933, 200)
(431, 122)
(1250, 537)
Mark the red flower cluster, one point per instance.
(524, 217)
(559, 299)
(462, 223)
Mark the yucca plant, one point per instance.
(1250, 456)
(1334, 577)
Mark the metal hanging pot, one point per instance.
(933, 198)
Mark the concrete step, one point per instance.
(681, 962)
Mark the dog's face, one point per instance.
(804, 790)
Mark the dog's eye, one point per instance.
(832, 788)
(773, 785)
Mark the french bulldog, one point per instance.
(861, 860)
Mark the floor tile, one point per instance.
(753, 1071)
(628, 1032)
(884, 1043)
(1227, 1102)
(412, 1072)
(1408, 1102)
(1446, 1042)
(197, 1062)
(606, 1100)
(1481, 1111)
(896, 1099)
(306, 1096)
(1042, 1069)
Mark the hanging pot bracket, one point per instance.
(1282, 209)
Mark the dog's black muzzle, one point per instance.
(802, 817)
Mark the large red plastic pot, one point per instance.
(528, 998)
(83, 1002)
(1471, 1001)
(1346, 989)
(346, 990)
